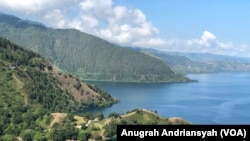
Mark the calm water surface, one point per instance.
(219, 98)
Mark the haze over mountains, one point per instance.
(185, 63)
(90, 57)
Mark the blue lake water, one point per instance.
(218, 98)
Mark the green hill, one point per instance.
(100, 128)
(39, 103)
(28, 74)
(31, 88)
(87, 56)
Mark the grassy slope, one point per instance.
(102, 128)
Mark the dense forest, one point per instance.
(87, 56)
(31, 89)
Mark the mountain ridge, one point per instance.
(87, 56)
(186, 63)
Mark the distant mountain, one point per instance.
(209, 57)
(184, 63)
(19, 23)
(90, 57)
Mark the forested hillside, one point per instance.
(30, 75)
(31, 89)
(89, 57)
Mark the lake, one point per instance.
(217, 98)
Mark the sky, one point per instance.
(213, 26)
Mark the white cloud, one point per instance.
(208, 40)
(31, 7)
(87, 5)
(90, 5)
(89, 21)
(243, 50)
(120, 24)
(56, 18)
(99, 9)
(151, 42)
(115, 23)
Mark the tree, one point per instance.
(7, 137)
(1, 127)
(96, 136)
(110, 129)
(78, 85)
(56, 135)
(100, 116)
(70, 117)
(114, 114)
(123, 122)
(89, 115)
(27, 135)
(50, 68)
(83, 136)
(83, 126)
(40, 137)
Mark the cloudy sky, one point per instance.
(215, 26)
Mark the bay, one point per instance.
(217, 98)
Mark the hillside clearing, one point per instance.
(19, 86)
(57, 118)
